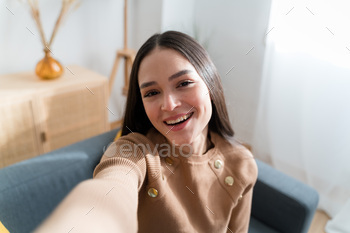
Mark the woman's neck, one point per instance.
(200, 145)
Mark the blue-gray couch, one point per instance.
(31, 189)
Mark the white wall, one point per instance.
(145, 19)
(178, 15)
(89, 37)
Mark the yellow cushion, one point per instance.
(119, 134)
(3, 229)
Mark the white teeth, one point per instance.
(179, 119)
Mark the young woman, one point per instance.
(176, 168)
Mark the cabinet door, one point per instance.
(73, 115)
(18, 135)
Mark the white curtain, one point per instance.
(303, 122)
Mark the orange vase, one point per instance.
(48, 67)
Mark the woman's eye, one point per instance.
(151, 93)
(185, 83)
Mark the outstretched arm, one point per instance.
(97, 205)
(107, 203)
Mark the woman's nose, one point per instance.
(170, 102)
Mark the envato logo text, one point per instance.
(126, 150)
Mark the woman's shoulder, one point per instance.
(135, 138)
(128, 152)
(133, 146)
(231, 146)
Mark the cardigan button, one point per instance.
(169, 161)
(218, 164)
(152, 192)
(229, 180)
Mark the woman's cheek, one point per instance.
(151, 111)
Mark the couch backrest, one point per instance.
(31, 189)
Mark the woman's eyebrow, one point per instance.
(176, 75)
(147, 84)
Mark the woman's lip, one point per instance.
(175, 117)
(180, 126)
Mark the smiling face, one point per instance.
(176, 99)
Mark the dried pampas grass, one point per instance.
(67, 5)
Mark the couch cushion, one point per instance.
(255, 226)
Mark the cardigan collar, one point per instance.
(175, 152)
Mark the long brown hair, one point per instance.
(135, 118)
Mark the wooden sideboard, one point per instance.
(38, 116)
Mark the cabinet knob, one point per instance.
(43, 136)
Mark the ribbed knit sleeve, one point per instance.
(109, 201)
(128, 152)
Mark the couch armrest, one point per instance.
(282, 202)
(31, 189)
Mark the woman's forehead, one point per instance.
(163, 63)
